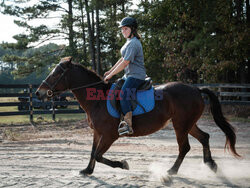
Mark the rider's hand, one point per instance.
(107, 78)
(106, 73)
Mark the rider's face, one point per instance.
(126, 31)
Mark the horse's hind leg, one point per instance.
(203, 138)
(184, 147)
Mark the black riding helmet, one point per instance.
(129, 22)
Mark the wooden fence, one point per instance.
(233, 94)
(18, 91)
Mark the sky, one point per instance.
(9, 28)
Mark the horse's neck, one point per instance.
(81, 93)
(86, 103)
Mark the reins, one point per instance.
(88, 85)
(80, 87)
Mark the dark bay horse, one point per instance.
(181, 103)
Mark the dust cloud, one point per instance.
(231, 172)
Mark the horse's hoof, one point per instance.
(86, 172)
(212, 165)
(172, 172)
(166, 180)
(125, 165)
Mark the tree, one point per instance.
(37, 35)
(191, 41)
(83, 35)
(200, 41)
(98, 47)
(91, 36)
(8, 69)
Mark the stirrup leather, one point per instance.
(124, 128)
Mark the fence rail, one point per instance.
(30, 103)
(230, 93)
(233, 94)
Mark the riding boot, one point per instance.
(125, 126)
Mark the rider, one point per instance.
(132, 61)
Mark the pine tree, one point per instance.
(38, 35)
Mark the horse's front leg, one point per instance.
(90, 168)
(104, 144)
(100, 145)
(121, 164)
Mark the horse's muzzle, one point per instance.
(41, 94)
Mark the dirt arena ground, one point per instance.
(51, 155)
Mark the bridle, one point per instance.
(52, 91)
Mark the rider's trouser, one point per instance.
(128, 93)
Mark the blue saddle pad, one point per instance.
(145, 98)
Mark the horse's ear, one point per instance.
(67, 59)
(70, 59)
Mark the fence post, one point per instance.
(31, 103)
(219, 92)
(53, 109)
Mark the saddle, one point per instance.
(147, 85)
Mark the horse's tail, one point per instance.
(221, 121)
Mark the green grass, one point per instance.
(9, 99)
(25, 119)
(240, 119)
(14, 119)
(230, 118)
(8, 109)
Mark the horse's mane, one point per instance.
(96, 76)
(91, 72)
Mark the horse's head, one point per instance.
(56, 82)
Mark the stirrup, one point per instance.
(124, 128)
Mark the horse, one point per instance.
(181, 103)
